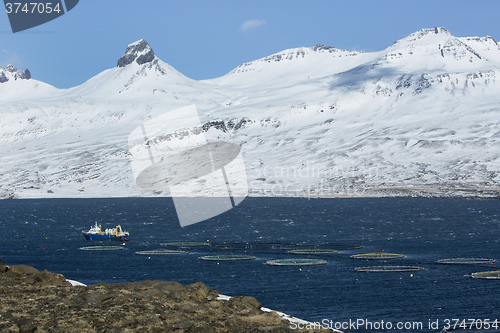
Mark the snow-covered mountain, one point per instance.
(418, 118)
(11, 72)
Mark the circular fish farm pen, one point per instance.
(329, 246)
(377, 255)
(340, 247)
(101, 248)
(296, 262)
(255, 245)
(488, 275)
(466, 261)
(161, 252)
(186, 244)
(227, 257)
(381, 269)
(312, 251)
(283, 246)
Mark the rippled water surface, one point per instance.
(47, 233)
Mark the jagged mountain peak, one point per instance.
(138, 70)
(437, 49)
(11, 72)
(294, 53)
(139, 51)
(10, 68)
(485, 39)
(301, 63)
(442, 33)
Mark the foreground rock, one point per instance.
(33, 301)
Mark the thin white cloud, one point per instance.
(251, 24)
(10, 58)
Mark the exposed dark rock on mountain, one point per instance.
(11, 72)
(139, 52)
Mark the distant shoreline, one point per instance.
(374, 192)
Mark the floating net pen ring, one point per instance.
(227, 257)
(296, 262)
(380, 269)
(100, 248)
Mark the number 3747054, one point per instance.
(32, 8)
(484, 324)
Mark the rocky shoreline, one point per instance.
(34, 301)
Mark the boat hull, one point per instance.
(105, 237)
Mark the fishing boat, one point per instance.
(111, 234)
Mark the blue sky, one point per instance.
(207, 39)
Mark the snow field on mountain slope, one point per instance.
(421, 114)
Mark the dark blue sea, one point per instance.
(47, 234)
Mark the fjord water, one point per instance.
(47, 234)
